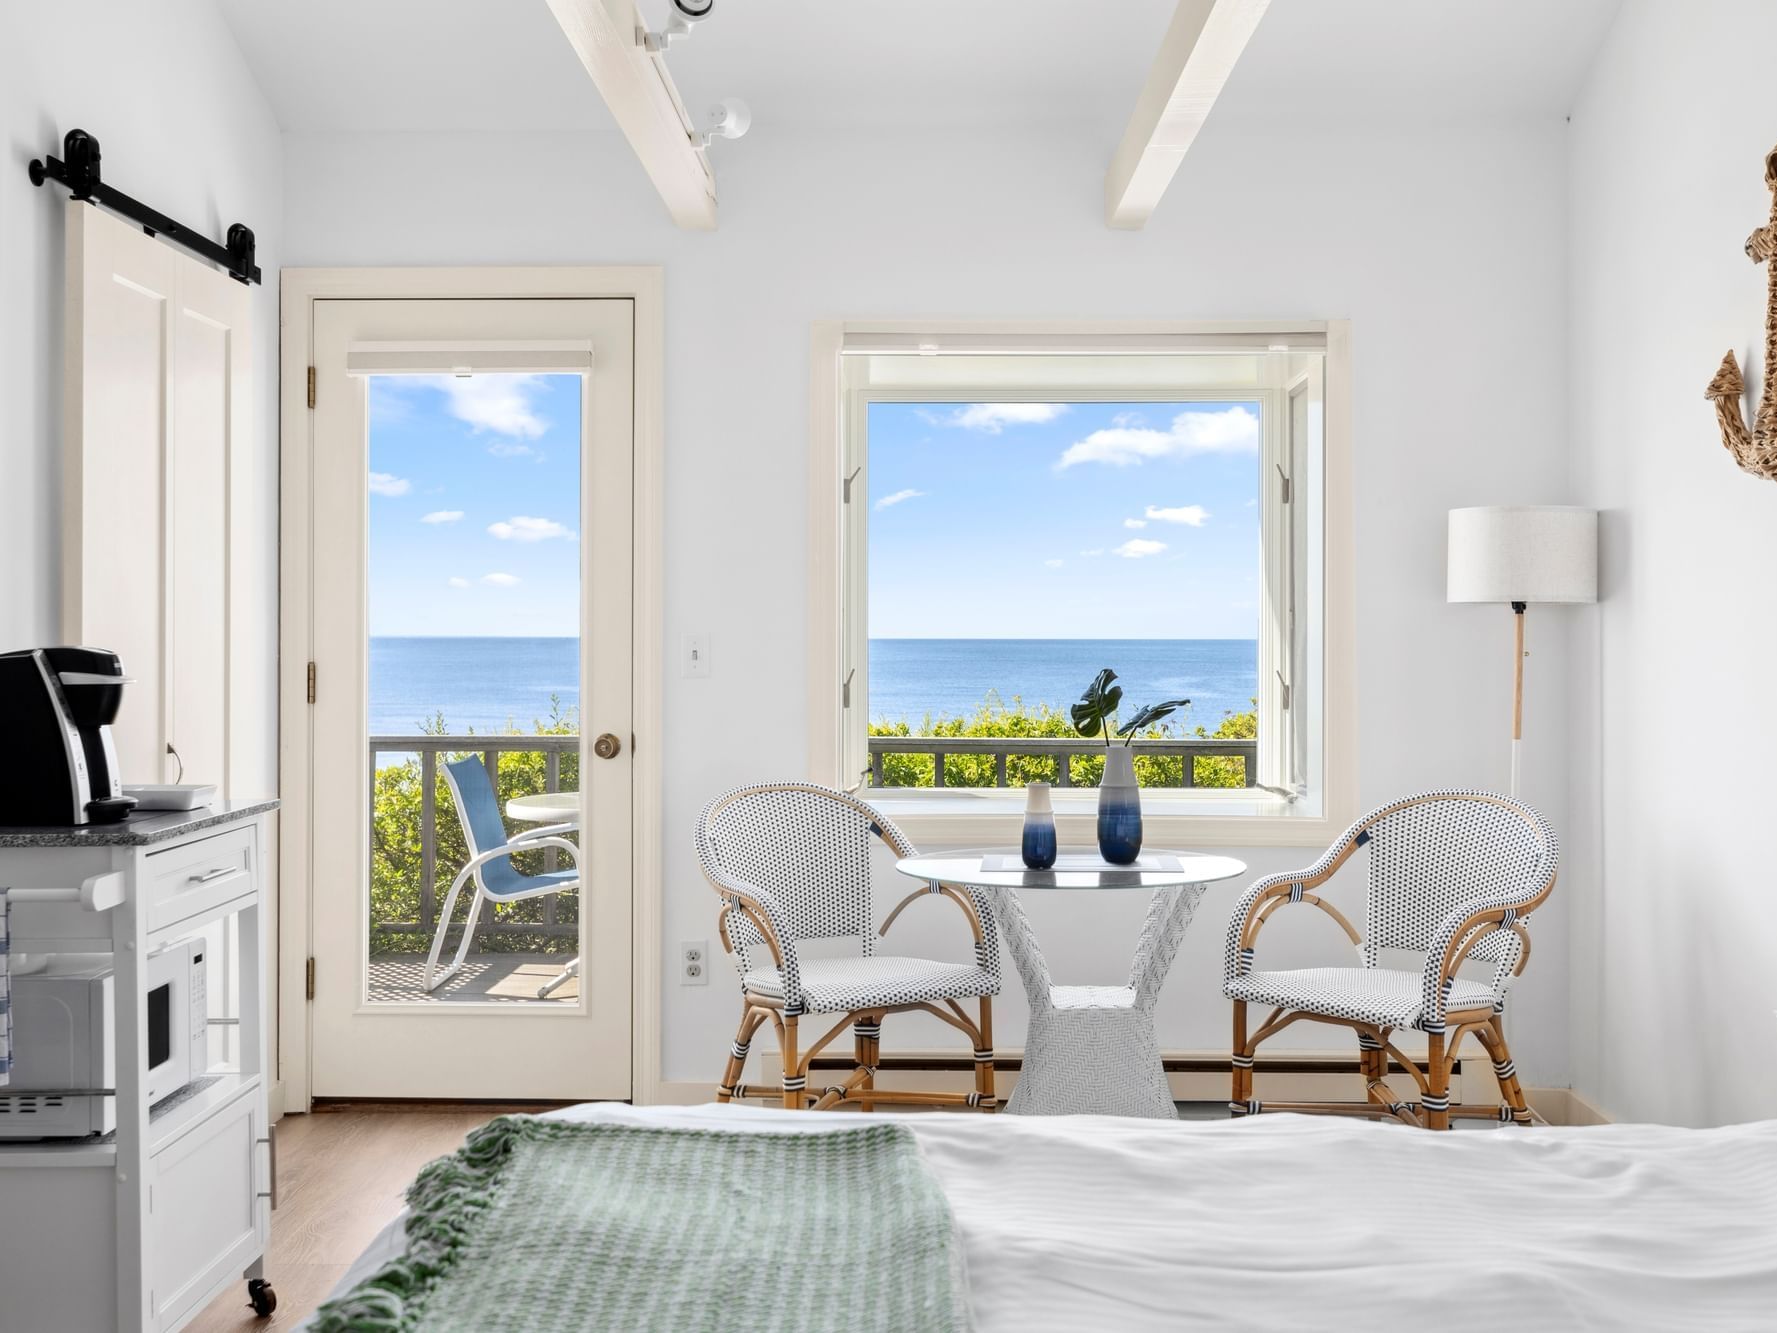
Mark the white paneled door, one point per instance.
(471, 601)
(157, 450)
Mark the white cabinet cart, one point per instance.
(140, 1229)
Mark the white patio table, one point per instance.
(550, 807)
(1091, 1050)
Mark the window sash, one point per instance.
(1280, 769)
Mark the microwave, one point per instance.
(63, 1043)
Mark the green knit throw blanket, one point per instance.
(548, 1226)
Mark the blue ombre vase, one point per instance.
(1039, 827)
(1119, 808)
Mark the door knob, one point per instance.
(607, 746)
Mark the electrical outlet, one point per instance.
(694, 963)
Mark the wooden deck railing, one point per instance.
(490, 748)
(1063, 750)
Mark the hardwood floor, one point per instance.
(342, 1171)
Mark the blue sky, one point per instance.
(474, 504)
(1064, 520)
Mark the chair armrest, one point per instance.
(544, 831)
(533, 844)
(974, 906)
(1457, 934)
(967, 907)
(768, 915)
(1265, 896)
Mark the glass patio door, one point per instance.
(472, 586)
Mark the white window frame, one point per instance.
(838, 576)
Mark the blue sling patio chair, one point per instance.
(490, 865)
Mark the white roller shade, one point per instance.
(1070, 343)
(567, 357)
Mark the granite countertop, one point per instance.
(139, 830)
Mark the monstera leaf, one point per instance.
(1093, 714)
(1150, 715)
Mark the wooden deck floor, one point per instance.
(396, 978)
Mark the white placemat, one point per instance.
(997, 862)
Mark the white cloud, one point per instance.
(1135, 522)
(459, 583)
(898, 497)
(386, 483)
(523, 528)
(497, 580)
(1054, 564)
(1232, 430)
(1194, 516)
(995, 417)
(1095, 551)
(442, 516)
(507, 449)
(1138, 548)
(497, 403)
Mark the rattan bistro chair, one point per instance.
(791, 862)
(1454, 875)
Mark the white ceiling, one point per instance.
(503, 65)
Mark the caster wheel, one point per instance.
(260, 1297)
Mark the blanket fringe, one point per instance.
(443, 1203)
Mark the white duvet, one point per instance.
(1295, 1222)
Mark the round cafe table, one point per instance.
(1091, 1050)
(550, 807)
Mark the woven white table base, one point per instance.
(1091, 1050)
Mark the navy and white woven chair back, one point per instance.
(808, 845)
(1433, 852)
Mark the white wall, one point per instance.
(183, 127)
(1444, 244)
(1676, 721)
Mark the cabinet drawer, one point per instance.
(195, 876)
(203, 1210)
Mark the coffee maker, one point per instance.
(57, 706)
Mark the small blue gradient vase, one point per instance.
(1119, 808)
(1039, 827)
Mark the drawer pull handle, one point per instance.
(209, 875)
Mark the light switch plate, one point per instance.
(696, 655)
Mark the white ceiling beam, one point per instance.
(1196, 57)
(606, 35)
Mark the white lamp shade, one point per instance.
(1523, 553)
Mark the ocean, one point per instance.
(489, 683)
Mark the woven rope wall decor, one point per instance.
(1754, 450)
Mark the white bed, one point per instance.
(1090, 1223)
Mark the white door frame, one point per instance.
(299, 289)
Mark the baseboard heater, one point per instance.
(1173, 1064)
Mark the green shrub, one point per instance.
(995, 719)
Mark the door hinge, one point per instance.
(845, 688)
(311, 386)
(1284, 687)
(846, 488)
(308, 979)
(1284, 486)
(311, 684)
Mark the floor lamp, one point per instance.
(1521, 554)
